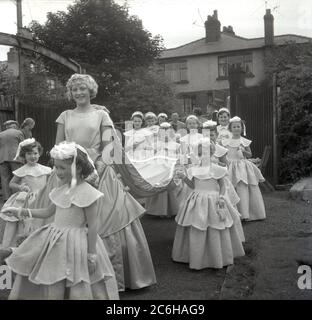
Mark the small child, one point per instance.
(65, 258)
(223, 127)
(26, 183)
(244, 175)
(207, 235)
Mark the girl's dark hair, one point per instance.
(29, 148)
(85, 165)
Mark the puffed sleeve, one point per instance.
(62, 117)
(106, 120)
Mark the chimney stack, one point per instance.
(268, 28)
(213, 27)
(229, 30)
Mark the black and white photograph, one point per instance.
(156, 150)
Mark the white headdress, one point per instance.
(224, 110)
(137, 113)
(238, 119)
(67, 150)
(209, 124)
(150, 115)
(22, 144)
(191, 117)
(163, 115)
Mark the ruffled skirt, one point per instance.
(206, 236)
(54, 259)
(206, 249)
(244, 171)
(20, 200)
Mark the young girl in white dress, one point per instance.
(244, 175)
(193, 136)
(207, 235)
(223, 127)
(164, 204)
(162, 117)
(64, 259)
(26, 183)
(138, 140)
(219, 158)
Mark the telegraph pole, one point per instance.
(21, 78)
(19, 15)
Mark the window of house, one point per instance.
(175, 72)
(189, 104)
(244, 61)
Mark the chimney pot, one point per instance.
(268, 28)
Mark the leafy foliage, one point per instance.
(293, 65)
(144, 90)
(102, 37)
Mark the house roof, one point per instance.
(227, 43)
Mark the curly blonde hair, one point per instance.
(85, 79)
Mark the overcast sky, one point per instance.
(181, 21)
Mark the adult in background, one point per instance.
(9, 141)
(175, 123)
(27, 125)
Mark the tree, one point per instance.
(293, 66)
(102, 37)
(8, 83)
(142, 89)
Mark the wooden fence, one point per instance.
(255, 106)
(44, 112)
(7, 109)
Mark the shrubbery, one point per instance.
(293, 66)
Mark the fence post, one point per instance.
(275, 131)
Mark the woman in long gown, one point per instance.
(118, 212)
